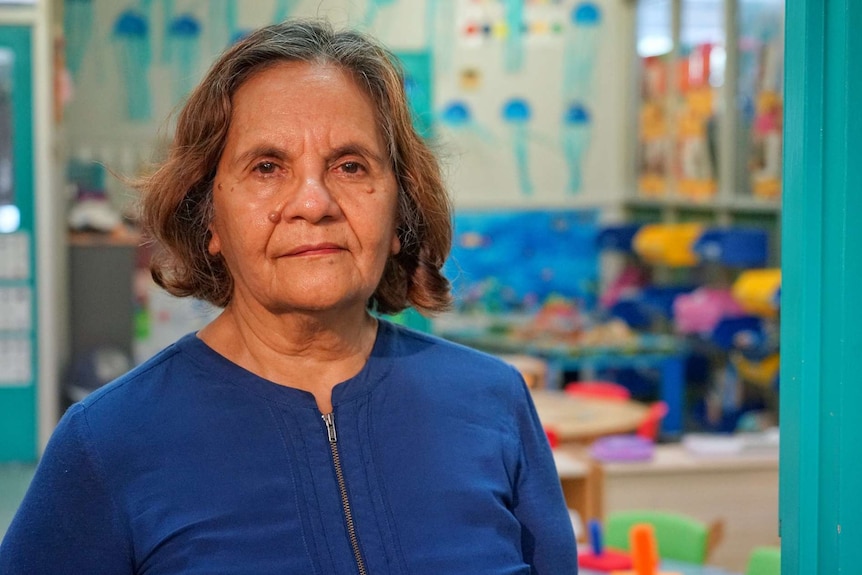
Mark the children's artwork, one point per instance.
(579, 52)
(515, 260)
(576, 139)
(516, 113)
(457, 115)
(131, 33)
(184, 36)
(513, 51)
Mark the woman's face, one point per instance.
(305, 196)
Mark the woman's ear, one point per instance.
(214, 245)
(395, 248)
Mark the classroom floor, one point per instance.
(14, 479)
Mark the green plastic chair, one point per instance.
(679, 537)
(764, 561)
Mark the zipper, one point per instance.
(329, 419)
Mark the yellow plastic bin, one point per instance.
(668, 244)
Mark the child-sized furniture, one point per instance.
(599, 389)
(679, 536)
(764, 561)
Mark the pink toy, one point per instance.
(700, 310)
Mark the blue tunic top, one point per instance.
(191, 464)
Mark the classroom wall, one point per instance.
(564, 76)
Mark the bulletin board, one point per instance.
(526, 96)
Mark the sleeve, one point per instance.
(68, 521)
(548, 540)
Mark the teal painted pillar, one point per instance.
(821, 299)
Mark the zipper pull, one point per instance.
(329, 419)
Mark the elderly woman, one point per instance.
(297, 433)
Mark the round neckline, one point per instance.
(348, 390)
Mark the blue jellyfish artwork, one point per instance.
(184, 38)
(131, 32)
(78, 29)
(580, 51)
(516, 113)
(576, 139)
(456, 115)
(513, 50)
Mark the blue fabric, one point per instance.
(191, 464)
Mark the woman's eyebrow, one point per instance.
(355, 148)
(264, 150)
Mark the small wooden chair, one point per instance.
(679, 536)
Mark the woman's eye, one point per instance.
(266, 167)
(351, 167)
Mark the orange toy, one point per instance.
(644, 552)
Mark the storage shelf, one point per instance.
(740, 204)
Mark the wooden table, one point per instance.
(579, 419)
(665, 353)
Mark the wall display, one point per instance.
(554, 115)
(540, 127)
(517, 261)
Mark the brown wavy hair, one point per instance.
(177, 199)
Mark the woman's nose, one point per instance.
(311, 200)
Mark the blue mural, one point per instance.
(505, 261)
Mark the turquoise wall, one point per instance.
(18, 427)
(821, 332)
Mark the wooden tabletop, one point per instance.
(578, 419)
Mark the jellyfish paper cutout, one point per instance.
(131, 33)
(576, 139)
(516, 113)
(78, 29)
(513, 49)
(580, 51)
(184, 37)
(456, 115)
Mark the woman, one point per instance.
(297, 433)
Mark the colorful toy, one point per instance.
(645, 558)
(668, 244)
(755, 290)
(600, 558)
